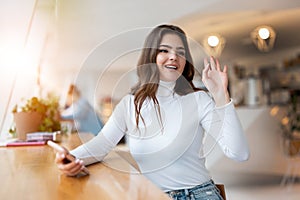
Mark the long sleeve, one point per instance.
(223, 124)
(232, 140)
(94, 150)
(98, 147)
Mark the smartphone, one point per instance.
(69, 158)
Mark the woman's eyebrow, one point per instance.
(168, 46)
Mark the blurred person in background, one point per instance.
(78, 109)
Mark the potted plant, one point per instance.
(291, 124)
(36, 114)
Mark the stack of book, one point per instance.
(39, 136)
(36, 139)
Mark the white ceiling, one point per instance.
(73, 30)
(236, 27)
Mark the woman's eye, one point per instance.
(163, 51)
(181, 53)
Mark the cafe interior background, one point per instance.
(45, 45)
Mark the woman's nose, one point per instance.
(173, 56)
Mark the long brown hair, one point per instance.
(148, 73)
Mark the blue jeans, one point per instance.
(205, 191)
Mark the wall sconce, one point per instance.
(263, 37)
(214, 44)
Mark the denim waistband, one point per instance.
(187, 191)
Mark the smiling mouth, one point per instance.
(171, 67)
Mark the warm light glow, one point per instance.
(213, 41)
(264, 33)
(16, 58)
(285, 121)
(11, 55)
(274, 111)
(264, 38)
(214, 44)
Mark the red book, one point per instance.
(25, 143)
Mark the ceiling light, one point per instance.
(264, 33)
(213, 41)
(263, 37)
(213, 44)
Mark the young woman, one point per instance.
(165, 118)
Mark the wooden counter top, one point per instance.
(30, 173)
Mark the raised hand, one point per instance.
(216, 80)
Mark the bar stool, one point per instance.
(221, 187)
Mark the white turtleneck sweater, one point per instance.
(168, 146)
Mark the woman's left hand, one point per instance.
(216, 81)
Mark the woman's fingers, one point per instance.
(206, 68)
(206, 63)
(213, 63)
(70, 169)
(218, 65)
(225, 69)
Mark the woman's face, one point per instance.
(171, 57)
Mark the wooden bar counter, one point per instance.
(29, 172)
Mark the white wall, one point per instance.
(266, 154)
(94, 86)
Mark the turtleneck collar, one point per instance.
(165, 88)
